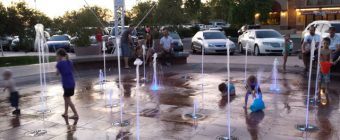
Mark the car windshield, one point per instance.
(213, 35)
(174, 36)
(59, 38)
(220, 24)
(337, 27)
(268, 34)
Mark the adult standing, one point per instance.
(307, 45)
(335, 43)
(99, 37)
(125, 42)
(166, 46)
(149, 47)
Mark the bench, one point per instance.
(97, 61)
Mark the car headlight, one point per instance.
(266, 43)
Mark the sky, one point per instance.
(55, 8)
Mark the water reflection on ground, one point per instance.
(161, 111)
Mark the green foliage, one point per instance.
(169, 12)
(72, 22)
(19, 19)
(140, 10)
(193, 8)
(243, 11)
(83, 39)
(21, 60)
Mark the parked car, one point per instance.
(212, 42)
(60, 41)
(218, 24)
(15, 44)
(177, 41)
(247, 27)
(322, 27)
(6, 42)
(261, 41)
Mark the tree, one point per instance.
(243, 11)
(73, 22)
(3, 19)
(140, 10)
(193, 8)
(220, 9)
(169, 12)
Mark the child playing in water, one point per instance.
(65, 68)
(325, 65)
(13, 93)
(252, 88)
(285, 51)
(223, 88)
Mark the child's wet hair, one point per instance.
(327, 39)
(62, 52)
(252, 79)
(222, 87)
(7, 73)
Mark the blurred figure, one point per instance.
(13, 93)
(99, 37)
(126, 42)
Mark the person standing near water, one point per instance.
(307, 46)
(285, 51)
(99, 37)
(335, 43)
(65, 69)
(125, 42)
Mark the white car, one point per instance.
(262, 41)
(212, 42)
(322, 27)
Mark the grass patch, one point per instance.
(22, 60)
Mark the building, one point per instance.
(296, 14)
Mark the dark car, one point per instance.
(59, 41)
(177, 42)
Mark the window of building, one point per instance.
(322, 2)
(330, 16)
(273, 19)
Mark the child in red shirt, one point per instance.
(325, 66)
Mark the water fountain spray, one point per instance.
(275, 85)
(137, 62)
(228, 135)
(317, 76)
(307, 126)
(101, 80)
(40, 45)
(155, 84)
(104, 59)
(202, 76)
(144, 54)
(246, 64)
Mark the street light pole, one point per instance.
(2, 49)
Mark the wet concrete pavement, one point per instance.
(162, 111)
